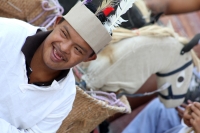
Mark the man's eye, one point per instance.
(64, 33)
(78, 50)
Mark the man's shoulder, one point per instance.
(15, 26)
(13, 22)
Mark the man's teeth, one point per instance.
(55, 51)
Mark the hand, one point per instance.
(182, 108)
(187, 115)
(195, 120)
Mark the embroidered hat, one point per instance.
(89, 26)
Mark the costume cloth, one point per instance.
(155, 118)
(24, 107)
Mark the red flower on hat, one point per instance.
(108, 10)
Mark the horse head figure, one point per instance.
(133, 56)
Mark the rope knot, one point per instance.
(49, 5)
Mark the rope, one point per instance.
(58, 11)
(163, 87)
(110, 98)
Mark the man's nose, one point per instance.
(66, 47)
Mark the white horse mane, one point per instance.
(151, 30)
(120, 34)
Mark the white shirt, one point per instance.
(27, 108)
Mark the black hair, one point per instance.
(91, 7)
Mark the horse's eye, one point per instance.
(180, 79)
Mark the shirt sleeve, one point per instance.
(48, 125)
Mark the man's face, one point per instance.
(65, 48)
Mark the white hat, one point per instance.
(90, 28)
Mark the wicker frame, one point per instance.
(25, 10)
(87, 113)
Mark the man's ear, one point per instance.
(93, 57)
(58, 19)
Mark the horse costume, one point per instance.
(125, 64)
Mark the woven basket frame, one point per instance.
(87, 113)
(25, 10)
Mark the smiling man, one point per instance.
(37, 83)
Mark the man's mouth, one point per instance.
(56, 55)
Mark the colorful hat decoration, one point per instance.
(96, 32)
